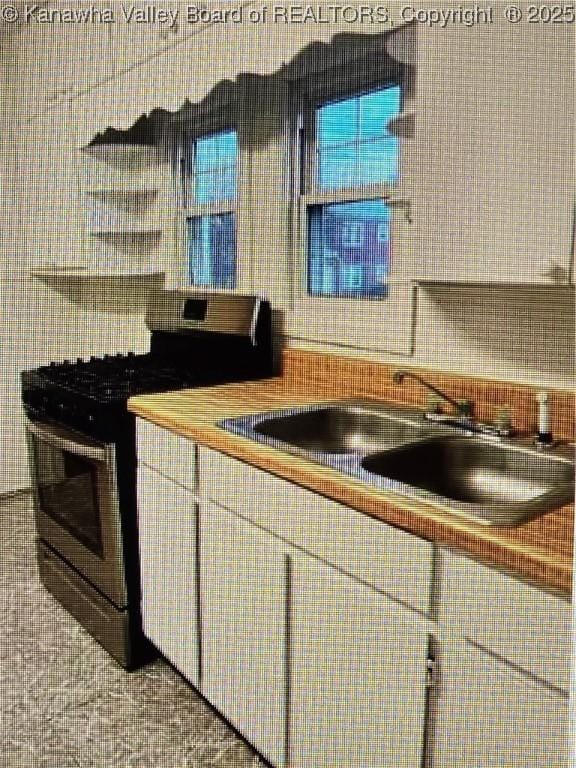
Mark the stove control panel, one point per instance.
(222, 313)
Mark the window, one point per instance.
(352, 169)
(210, 191)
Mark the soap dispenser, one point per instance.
(544, 434)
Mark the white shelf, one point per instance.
(123, 186)
(125, 156)
(110, 243)
(87, 272)
(123, 197)
(133, 233)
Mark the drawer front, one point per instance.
(516, 621)
(172, 455)
(388, 559)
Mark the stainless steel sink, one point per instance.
(341, 429)
(503, 484)
(495, 482)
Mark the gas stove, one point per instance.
(195, 341)
(82, 450)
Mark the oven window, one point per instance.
(68, 492)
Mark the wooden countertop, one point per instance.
(540, 551)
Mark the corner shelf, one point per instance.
(90, 273)
(133, 233)
(130, 199)
(124, 188)
(130, 157)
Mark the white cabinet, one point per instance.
(492, 160)
(328, 638)
(505, 666)
(493, 714)
(167, 523)
(358, 674)
(243, 597)
(298, 634)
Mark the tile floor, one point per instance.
(64, 703)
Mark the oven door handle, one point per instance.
(72, 443)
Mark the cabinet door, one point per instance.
(358, 674)
(167, 540)
(492, 188)
(243, 598)
(491, 714)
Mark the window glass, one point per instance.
(215, 167)
(349, 249)
(212, 250)
(353, 145)
(349, 241)
(211, 224)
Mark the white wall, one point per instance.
(43, 69)
(496, 333)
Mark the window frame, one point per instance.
(358, 322)
(311, 194)
(219, 121)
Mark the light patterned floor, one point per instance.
(64, 703)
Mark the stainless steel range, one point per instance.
(82, 455)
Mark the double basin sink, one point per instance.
(495, 482)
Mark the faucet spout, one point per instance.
(463, 408)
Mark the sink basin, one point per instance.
(500, 484)
(340, 429)
(392, 448)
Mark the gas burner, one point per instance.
(116, 377)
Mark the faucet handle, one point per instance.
(503, 417)
(465, 407)
(433, 403)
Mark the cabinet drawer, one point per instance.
(516, 621)
(388, 559)
(172, 455)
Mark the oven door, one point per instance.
(76, 504)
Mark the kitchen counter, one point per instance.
(540, 551)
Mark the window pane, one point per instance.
(215, 167)
(349, 249)
(337, 167)
(376, 109)
(212, 251)
(378, 161)
(337, 122)
(353, 145)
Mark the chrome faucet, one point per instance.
(462, 408)
(462, 416)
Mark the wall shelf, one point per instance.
(475, 284)
(127, 233)
(90, 273)
(131, 197)
(125, 208)
(130, 157)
